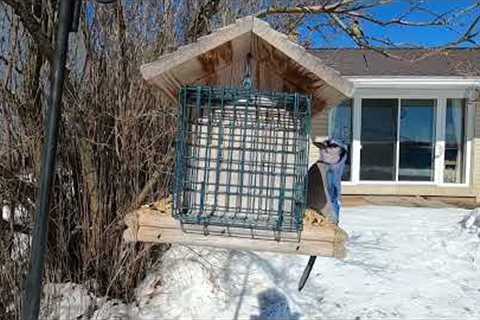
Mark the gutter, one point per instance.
(414, 82)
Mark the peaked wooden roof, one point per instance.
(277, 64)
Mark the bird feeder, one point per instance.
(242, 151)
(242, 159)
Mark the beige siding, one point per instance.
(319, 133)
(475, 167)
(407, 190)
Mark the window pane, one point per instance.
(455, 141)
(378, 138)
(340, 129)
(417, 137)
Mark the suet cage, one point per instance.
(242, 158)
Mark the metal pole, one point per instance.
(33, 284)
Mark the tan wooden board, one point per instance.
(151, 225)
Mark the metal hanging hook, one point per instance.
(247, 78)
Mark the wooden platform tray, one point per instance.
(151, 224)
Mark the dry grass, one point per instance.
(116, 141)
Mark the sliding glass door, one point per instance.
(397, 139)
(378, 139)
(416, 140)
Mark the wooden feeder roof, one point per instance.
(277, 64)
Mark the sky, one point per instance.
(408, 36)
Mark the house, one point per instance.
(412, 128)
(412, 124)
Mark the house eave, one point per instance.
(414, 82)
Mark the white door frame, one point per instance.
(441, 96)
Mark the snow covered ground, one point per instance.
(402, 263)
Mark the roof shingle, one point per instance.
(461, 62)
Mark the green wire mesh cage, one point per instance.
(242, 158)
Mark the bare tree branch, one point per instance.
(15, 227)
(201, 19)
(345, 16)
(6, 62)
(33, 27)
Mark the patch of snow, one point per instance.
(20, 246)
(65, 301)
(187, 280)
(402, 263)
(471, 222)
(6, 213)
(20, 214)
(113, 310)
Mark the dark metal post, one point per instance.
(33, 284)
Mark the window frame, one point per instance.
(349, 102)
(441, 97)
(467, 136)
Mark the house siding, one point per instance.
(319, 133)
(407, 190)
(475, 168)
